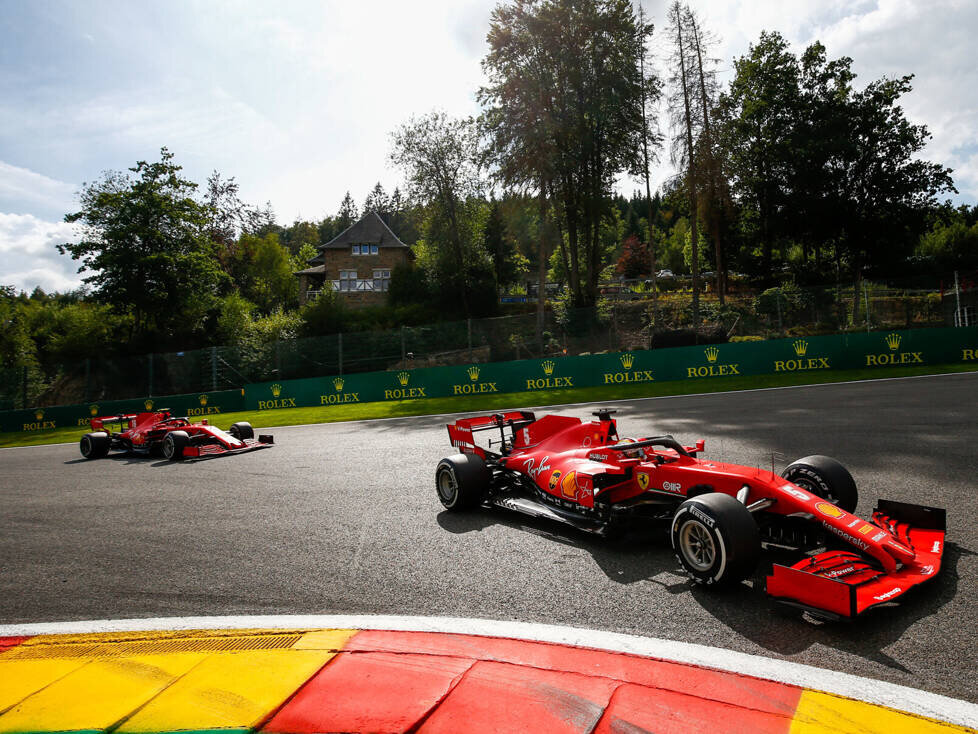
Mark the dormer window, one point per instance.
(366, 249)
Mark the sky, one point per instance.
(297, 99)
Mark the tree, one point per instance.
(507, 261)
(348, 213)
(377, 201)
(760, 113)
(263, 272)
(563, 113)
(688, 119)
(145, 242)
(440, 157)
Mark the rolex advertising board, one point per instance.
(862, 350)
(193, 406)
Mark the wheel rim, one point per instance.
(86, 446)
(810, 486)
(697, 546)
(447, 486)
(168, 447)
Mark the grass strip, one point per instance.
(481, 403)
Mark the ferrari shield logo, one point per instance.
(554, 478)
(643, 480)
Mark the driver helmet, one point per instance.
(632, 453)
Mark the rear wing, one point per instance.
(461, 432)
(132, 418)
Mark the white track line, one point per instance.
(575, 405)
(881, 693)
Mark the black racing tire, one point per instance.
(95, 445)
(462, 482)
(825, 477)
(716, 539)
(174, 443)
(242, 430)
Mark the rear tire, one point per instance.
(242, 430)
(94, 445)
(462, 482)
(716, 539)
(825, 477)
(174, 443)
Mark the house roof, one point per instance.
(370, 230)
(317, 270)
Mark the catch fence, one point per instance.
(628, 318)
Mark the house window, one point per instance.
(365, 249)
(382, 280)
(348, 280)
(373, 250)
(356, 249)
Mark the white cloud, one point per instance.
(28, 251)
(21, 188)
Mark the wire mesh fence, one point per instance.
(628, 318)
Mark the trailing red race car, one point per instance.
(720, 515)
(160, 433)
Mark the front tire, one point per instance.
(174, 443)
(242, 430)
(825, 477)
(462, 482)
(94, 445)
(715, 539)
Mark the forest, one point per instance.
(792, 174)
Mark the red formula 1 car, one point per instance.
(160, 433)
(719, 515)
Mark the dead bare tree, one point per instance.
(686, 126)
(713, 199)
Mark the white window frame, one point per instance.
(346, 278)
(381, 279)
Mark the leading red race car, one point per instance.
(720, 515)
(160, 433)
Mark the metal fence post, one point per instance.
(403, 353)
(214, 369)
(340, 350)
(278, 359)
(470, 339)
(151, 374)
(866, 303)
(23, 400)
(88, 378)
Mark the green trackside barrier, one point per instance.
(832, 352)
(880, 349)
(195, 405)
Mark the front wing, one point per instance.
(217, 449)
(842, 585)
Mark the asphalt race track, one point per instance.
(344, 518)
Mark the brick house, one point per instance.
(356, 264)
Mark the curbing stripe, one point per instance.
(847, 686)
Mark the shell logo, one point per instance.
(829, 510)
(568, 486)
